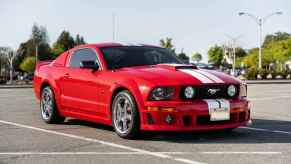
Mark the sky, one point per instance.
(193, 25)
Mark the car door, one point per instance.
(80, 86)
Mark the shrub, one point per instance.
(286, 74)
(251, 74)
(28, 64)
(264, 73)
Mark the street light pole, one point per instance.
(113, 26)
(36, 53)
(260, 21)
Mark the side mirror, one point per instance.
(90, 64)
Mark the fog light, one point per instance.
(169, 119)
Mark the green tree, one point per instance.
(39, 38)
(197, 57)
(28, 64)
(79, 40)
(183, 57)
(275, 52)
(57, 49)
(167, 43)
(251, 60)
(278, 36)
(215, 55)
(39, 34)
(66, 40)
(240, 52)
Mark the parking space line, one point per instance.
(238, 152)
(135, 153)
(265, 130)
(85, 153)
(146, 152)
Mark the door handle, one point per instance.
(67, 75)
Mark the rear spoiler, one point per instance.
(42, 63)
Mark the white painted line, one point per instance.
(85, 153)
(257, 129)
(279, 131)
(241, 152)
(265, 130)
(186, 161)
(146, 152)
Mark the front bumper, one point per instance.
(191, 116)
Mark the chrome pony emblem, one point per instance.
(212, 91)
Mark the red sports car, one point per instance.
(138, 87)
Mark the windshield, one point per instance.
(128, 56)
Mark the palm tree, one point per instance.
(167, 43)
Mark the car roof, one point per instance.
(112, 44)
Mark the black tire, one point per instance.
(49, 113)
(228, 130)
(134, 125)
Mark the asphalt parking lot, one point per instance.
(24, 138)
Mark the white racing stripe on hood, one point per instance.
(211, 76)
(197, 75)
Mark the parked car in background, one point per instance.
(204, 66)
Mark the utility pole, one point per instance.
(260, 21)
(36, 53)
(233, 45)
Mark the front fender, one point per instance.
(133, 88)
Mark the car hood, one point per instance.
(176, 74)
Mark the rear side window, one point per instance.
(82, 55)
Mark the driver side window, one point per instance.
(82, 55)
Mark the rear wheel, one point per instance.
(48, 107)
(125, 118)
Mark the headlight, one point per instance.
(162, 93)
(189, 92)
(243, 90)
(231, 90)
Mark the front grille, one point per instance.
(205, 120)
(203, 92)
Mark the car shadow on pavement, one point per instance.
(73, 122)
(239, 135)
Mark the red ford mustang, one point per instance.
(137, 88)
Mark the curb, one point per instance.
(268, 82)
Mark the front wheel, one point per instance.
(48, 107)
(125, 118)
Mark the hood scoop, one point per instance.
(175, 67)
